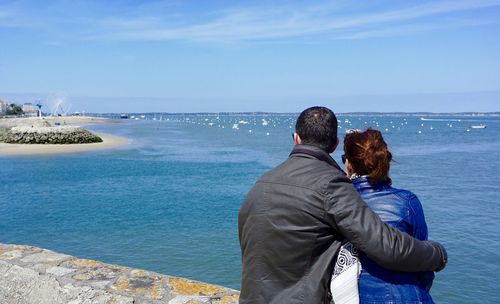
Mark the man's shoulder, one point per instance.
(303, 172)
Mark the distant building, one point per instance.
(3, 107)
(29, 109)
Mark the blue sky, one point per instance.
(282, 56)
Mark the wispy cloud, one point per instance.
(14, 15)
(7, 16)
(267, 23)
(170, 21)
(409, 29)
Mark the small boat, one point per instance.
(477, 127)
(124, 116)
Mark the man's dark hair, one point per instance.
(317, 126)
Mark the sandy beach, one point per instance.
(109, 141)
(51, 120)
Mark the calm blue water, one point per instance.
(169, 201)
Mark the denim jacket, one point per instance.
(400, 209)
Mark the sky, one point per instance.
(275, 56)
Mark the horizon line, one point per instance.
(271, 112)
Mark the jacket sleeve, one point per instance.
(388, 247)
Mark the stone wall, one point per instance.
(4, 132)
(30, 275)
(48, 135)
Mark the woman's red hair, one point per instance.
(368, 154)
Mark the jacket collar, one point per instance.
(308, 150)
(363, 184)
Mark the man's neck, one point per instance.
(315, 152)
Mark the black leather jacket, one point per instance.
(293, 221)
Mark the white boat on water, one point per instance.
(477, 127)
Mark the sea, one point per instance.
(168, 201)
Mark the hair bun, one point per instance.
(368, 155)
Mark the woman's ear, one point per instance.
(296, 138)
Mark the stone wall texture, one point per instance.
(31, 275)
(48, 135)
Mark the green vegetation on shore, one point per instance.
(15, 110)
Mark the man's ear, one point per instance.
(296, 138)
(335, 147)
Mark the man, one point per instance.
(294, 219)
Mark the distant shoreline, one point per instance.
(9, 122)
(108, 141)
(461, 114)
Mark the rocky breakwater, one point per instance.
(34, 275)
(48, 135)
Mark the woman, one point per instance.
(367, 162)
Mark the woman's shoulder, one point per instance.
(404, 194)
(387, 194)
(411, 201)
(407, 200)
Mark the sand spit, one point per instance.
(108, 141)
